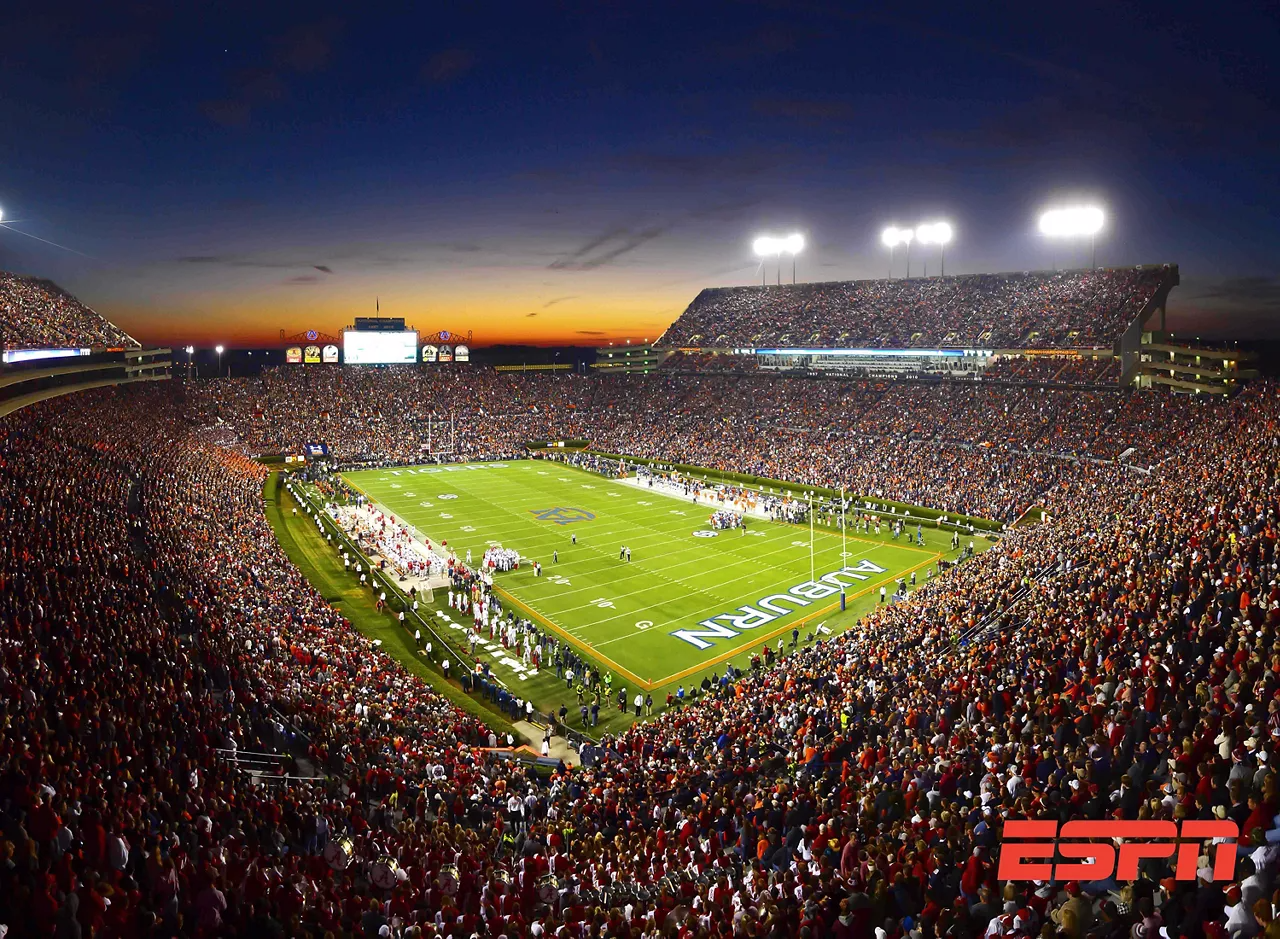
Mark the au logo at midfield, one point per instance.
(562, 516)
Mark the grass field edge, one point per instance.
(286, 535)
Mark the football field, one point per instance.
(688, 599)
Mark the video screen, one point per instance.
(379, 348)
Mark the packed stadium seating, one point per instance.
(1069, 309)
(39, 314)
(925, 443)
(1120, 661)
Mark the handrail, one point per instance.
(985, 624)
(276, 756)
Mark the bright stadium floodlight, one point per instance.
(768, 246)
(793, 244)
(904, 237)
(891, 237)
(1084, 221)
(936, 233)
(765, 245)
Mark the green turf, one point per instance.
(309, 551)
(628, 615)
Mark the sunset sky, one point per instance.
(576, 172)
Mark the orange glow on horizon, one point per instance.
(498, 319)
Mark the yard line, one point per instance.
(760, 570)
(723, 583)
(652, 529)
(693, 589)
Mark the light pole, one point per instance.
(891, 237)
(1075, 222)
(935, 233)
(764, 246)
(218, 349)
(190, 351)
(905, 235)
(770, 246)
(793, 244)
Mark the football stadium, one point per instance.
(931, 606)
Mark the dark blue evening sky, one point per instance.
(571, 171)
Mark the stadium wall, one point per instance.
(21, 386)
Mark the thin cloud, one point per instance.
(554, 300)
(614, 244)
(1256, 291)
(240, 261)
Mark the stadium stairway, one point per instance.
(560, 749)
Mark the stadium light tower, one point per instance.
(891, 237)
(767, 246)
(905, 235)
(936, 233)
(218, 349)
(764, 246)
(1075, 222)
(793, 244)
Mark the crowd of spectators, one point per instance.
(709, 362)
(39, 314)
(1041, 310)
(1067, 369)
(1121, 660)
(1055, 370)
(388, 413)
(989, 449)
